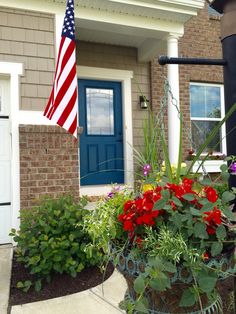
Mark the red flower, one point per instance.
(173, 205)
(213, 216)
(128, 226)
(187, 184)
(148, 219)
(205, 256)
(213, 219)
(128, 205)
(211, 230)
(211, 194)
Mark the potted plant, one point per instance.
(174, 239)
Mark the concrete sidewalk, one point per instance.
(6, 252)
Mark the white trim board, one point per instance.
(14, 71)
(125, 78)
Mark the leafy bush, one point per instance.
(52, 239)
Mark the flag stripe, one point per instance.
(62, 107)
(73, 127)
(62, 91)
(66, 97)
(69, 52)
(68, 109)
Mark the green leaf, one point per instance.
(228, 196)
(228, 213)
(20, 285)
(141, 307)
(221, 232)
(207, 284)
(216, 248)
(177, 220)
(156, 262)
(177, 202)
(165, 195)
(169, 267)
(188, 298)
(199, 230)
(139, 284)
(160, 283)
(38, 285)
(195, 212)
(189, 197)
(224, 167)
(166, 157)
(160, 204)
(225, 176)
(207, 207)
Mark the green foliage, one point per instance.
(101, 223)
(52, 239)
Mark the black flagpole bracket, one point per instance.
(163, 60)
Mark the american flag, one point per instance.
(62, 107)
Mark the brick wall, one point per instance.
(200, 40)
(48, 163)
(122, 58)
(28, 37)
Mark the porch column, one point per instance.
(173, 104)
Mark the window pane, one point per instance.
(100, 111)
(213, 108)
(197, 101)
(200, 131)
(205, 101)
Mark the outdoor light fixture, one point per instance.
(143, 102)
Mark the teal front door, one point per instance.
(101, 143)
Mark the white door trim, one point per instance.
(124, 77)
(13, 71)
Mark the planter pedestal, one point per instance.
(167, 302)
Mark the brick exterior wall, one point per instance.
(48, 163)
(28, 37)
(201, 40)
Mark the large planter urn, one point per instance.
(167, 302)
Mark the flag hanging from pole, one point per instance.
(62, 107)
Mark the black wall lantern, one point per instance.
(144, 103)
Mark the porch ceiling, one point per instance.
(144, 24)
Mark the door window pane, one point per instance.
(100, 111)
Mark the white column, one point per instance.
(173, 118)
(59, 19)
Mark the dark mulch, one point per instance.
(226, 289)
(59, 286)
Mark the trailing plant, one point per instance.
(101, 223)
(52, 239)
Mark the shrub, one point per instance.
(52, 239)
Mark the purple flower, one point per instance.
(145, 173)
(147, 167)
(110, 195)
(233, 167)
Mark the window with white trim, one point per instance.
(207, 109)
